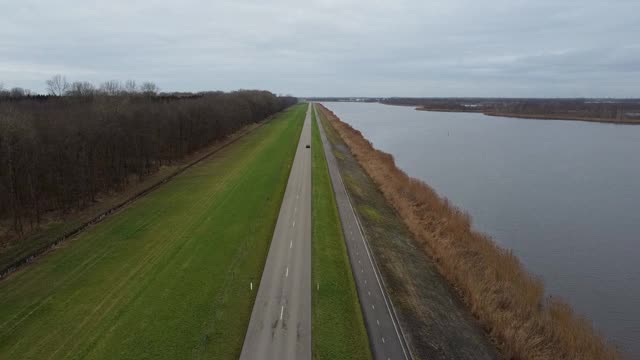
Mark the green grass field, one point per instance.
(166, 278)
(55, 225)
(338, 327)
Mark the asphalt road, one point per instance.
(385, 335)
(280, 325)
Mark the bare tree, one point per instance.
(81, 88)
(60, 154)
(111, 88)
(149, 88)
(130, 87)
(18, 92)
(57, 85)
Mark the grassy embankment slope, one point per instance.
(338, 326)
(437, 325)
(508, 301)
(168, 277)
(56, 225)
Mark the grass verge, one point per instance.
(166, 278)
(508, 301)
(338, 326)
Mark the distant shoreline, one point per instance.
(537, 117)
(500, 293)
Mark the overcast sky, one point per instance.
(541, 48)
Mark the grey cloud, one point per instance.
(328, 47)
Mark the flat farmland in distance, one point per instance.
(166, 278)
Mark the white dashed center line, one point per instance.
(281, 311)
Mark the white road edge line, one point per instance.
(400, 337)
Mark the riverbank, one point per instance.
(565, 117)
(509, 302)
(536, 117)
(436, 324)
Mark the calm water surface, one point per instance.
(564, 195)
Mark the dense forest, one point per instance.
(59, 151)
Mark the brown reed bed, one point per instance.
(509, 302)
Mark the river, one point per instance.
(564, 195)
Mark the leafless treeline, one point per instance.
(59, 86)
(60, 152)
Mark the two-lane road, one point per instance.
(280, 325)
